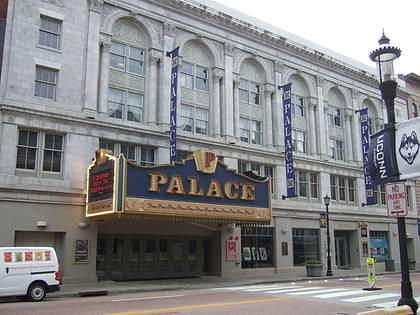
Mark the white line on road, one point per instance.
(271, 288)
(293, 290)
(340, 294)
(371, 297)
(317, 291)
(148, 298)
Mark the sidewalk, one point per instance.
(112, 287)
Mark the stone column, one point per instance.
(217, 76)
(104, 77)
(236, 111)
(312, 127)
(348, 115)
(152, 88)
(228, 111)
(268, 110)
(90, 103)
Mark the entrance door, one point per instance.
(128, 257)
(342, 252)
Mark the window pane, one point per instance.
(115, 103)
(49, 33)
(187, 68)
(52, 153)
(45, 83)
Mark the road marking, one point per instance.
(272, 288)
(148, 298)
(293, 290)
(195, 307)
(317, 291)
(341, 294)
(371, 297)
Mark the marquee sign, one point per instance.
(200, 189)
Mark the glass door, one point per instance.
(117, 257)
(342, 254)
(178, 255)
(134, 258)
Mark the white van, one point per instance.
(28, 272)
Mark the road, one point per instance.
(335, 296)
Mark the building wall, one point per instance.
(230, 49)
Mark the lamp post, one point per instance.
(384, 57)
(327, 201)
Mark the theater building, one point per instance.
(86, 97)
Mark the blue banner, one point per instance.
(288, 141)
(174, 91)
(383, 166)
(364, 128)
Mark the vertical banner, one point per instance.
(364, 128)
(383, 166)
(174, 90)
(288, 141)
(407, 147)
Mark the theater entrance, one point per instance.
(131, 257)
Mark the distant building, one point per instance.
(79, 76)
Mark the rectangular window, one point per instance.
(305, 245)
(194, 77)
(125, 105)
(147, 156)
(298, 107)
(260, 169)
(299, 141)
(307, 184)
(251, 131)
(379, 194)
(249, 92)
(194, 119)
(49, 32)
(126, 58)
(337, 149)
(45, 82)
(379, 245)
(53, 152)
(129, 151)
(40, 151)
(27, 150)
(257, 246)
(138, 154)
(343, 189)
(334, 116)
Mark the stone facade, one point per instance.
(99, 101)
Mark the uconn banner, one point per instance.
(364, 128)
(382, 161)
(174, 90)
(407, 147)
(287, 116)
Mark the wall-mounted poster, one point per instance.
(231, 249)
(255, 255)
(81, 251)
(246, 254)
(365, 249)
(263, 253)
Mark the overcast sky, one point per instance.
(351, 28)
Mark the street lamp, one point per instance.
(327, 201)
(384, 57)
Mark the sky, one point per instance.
(350, 28)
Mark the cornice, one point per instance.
(199, 11)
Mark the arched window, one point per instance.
(336, 105)
(300, 121)
(251, 109)
(127, 72)
(195, 95)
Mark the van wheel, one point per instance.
(36, 292)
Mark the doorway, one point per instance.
(342, 249)
(130, 257)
